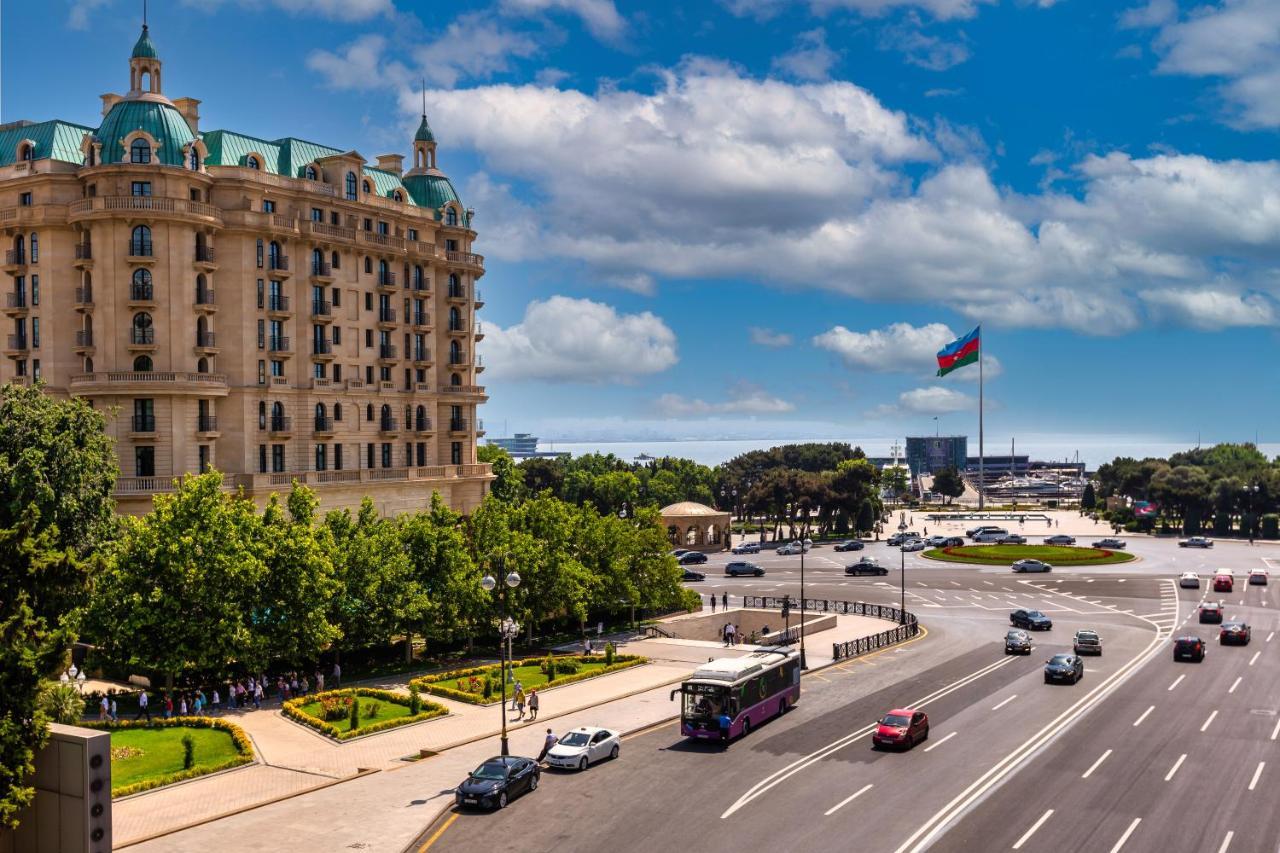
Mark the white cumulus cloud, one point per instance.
(743, 400)
(933, 400)
(809, 59)
(601, 17)
(1211, 310)
(769, 338)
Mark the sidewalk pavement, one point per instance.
(385, 809)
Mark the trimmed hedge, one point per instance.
(241, 741)
(435, 684)
(293, 710)
(1005, 555)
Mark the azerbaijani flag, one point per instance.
(958, 353)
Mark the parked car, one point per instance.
(694, 575)
(1017, 642)
(1210, 612)
(850, 545)
(865, 566)
(1030, 565)
(1195, 542)
(741, 567)
(1190, 648)
(1223, 581)
(1235, 633)
(1012, 539)
(691, 558)
(584, 746)
(497, 781)
(747, 548)
(1189, 580)
(1063, 668)
(1258, 577)
(1032, 620)
(1087, 643)
(1060, 539)
(901, 727)
(1110, 544)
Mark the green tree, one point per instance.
(509, 485)
(1089, 497)
(61, 703)
(1186, 491)
(443, 568)
(948, 483)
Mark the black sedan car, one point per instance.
(694, 575)
(1063, 668)
(1234, 633)
(741, 567)
(1190, 648)
(1017, 642)
(691, 558)
(866, 566)
(497, 781)
(1032, 620)
(850, 545)
(1210, 612)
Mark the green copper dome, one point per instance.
(431, 191)
(144, 49)
(162, 120)
(424, 133)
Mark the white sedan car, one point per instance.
(1189, 580)
(583, 746)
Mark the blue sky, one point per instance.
(759, 218)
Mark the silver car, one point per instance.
(914, 545)
(1030, 565)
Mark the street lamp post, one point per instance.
(902, 576)
(803, 663)
(1252, 489)
(508, 630)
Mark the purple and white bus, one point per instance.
(731, 696)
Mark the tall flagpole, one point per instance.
(982, 472)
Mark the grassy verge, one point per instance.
(378, 710)
(468, 685)
(1005, 555)
(149, 755)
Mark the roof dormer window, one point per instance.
(252, 162)
(140, 151)
(27, 152)
(364, 185)
(312, 174)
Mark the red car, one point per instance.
(1223, 583)
(901, 727)
(1234, 632)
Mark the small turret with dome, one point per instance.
(428, 186)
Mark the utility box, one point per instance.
(71, 812)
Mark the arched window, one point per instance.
(20, 249)
(142, 331)
(140, 291)
(368, 265)
(351, 185)
(455, 380)
(202, 331)
(252, 162)
(142, 364)
(35, 248)
(140, 151)
(88, 365)
(312, 174)
(455, 320)
(277, 411)
(385, 413)
(333, 260)
(397, 195)
(420, 418)
(194, 161)
(320, 413)
(262, 416)
(202, 366)
(337, 411)
(202, 287)
(140, 242)
(451, 216)
(27, 152)
(317, 261)
(364, 185)
(368, 412)
(455, 353)
(273, 255)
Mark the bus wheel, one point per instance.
(746, 725)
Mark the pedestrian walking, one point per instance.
(520, 703)
(713, 602)
(143, 702)
(304, 685)
(533, 705)
(197, 705)
(182, 705)
(319, 681)
(734, 634)
(104, 708)
(549, 741)
(114, 713)
(724, 602)
(724, 632)
(168, 706)
(517, 692)
(257, 696)
(337, 676)
(217, 702)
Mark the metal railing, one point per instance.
(84, 251)
(321, 308)
(387, 351)
(206, 423)
(142, 336)
(907, 628)
(140, 248)
(84, 337)
(388, 425)
(279, 344)
(278, 262)
(13, 257)
(277, 302)
(386, 278)
(205, 339)
(321, 268)
(204, 296)
(142, 293)
(204, 254)
(386, 315)
(18, 342)
(421, 318)
(84, 295)
(321, 347)
(323, 424)
(280, 423)
(15, 300)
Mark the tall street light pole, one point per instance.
(803, 663)
(508, 630)
(902, 577)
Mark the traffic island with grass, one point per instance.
(1007, 555)
(344, 714)
(149, 755)
(482, 685)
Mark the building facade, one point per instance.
(931, 454)
(277, 310)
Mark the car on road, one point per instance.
(1060, 539)
(865, 566)
(1235, 633)
(497, 781)
(1189, 580)
(899, 538)
(694, 575)
(901, 727)
(1257, 577)
(1111, 544)
(937, 541)
(990, 534)
(1063, 668)
(742, 567)
(1195, 542)
(581, 747)
(1190, 648)
(1032, 620)
(1017, 642)
(1012, 539)
(850, 545)
(796, 547)
(1210, 612)
(747, 548)
(952, 542)
(1223, 581)
(914, 545)
(678, 552)
(984, 528)
(1030, 565)
(691, 558)
(1087, 642)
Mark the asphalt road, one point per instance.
(1009, 760)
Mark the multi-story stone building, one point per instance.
(278, 310)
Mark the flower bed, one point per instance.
(329, 711)
(467, 685)
(152, 748)
(1004, 555)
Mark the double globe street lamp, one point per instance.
(508, 630)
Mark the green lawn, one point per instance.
(386, 711)
(160, 752)
(1005, 555)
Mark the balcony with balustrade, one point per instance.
(83, 256)
(280, 345)
(17, 346)
(84, 342)
(207, 426)
(205, 302)
(321, 311)
(321, 350)
(205, 258)
(278, 305)
(386, 281)
(15, 303)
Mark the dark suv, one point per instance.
(1189, 648)
(739, 567)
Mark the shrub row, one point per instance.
(293, 710)
(241, 741)
(436, 685)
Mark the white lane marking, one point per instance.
(1017, 845)
(1122, 580)
(1090, 580)
(1269, 636)
(988, 583)
(1177, 681)
(1254, 659)
(1143, 716)
(1226, 842)
(847, 800)
(1174, 768)
(1094, 766)
(1235, 684)
(939, 743)
(1253, 783)
(1209, 721)
(1127, 833)
(1004, 702)
(1276, 731)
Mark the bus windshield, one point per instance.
(704, 701)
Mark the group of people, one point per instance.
(239, 694)
(731, 635)
(519, 699)
(724, 601)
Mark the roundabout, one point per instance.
(1004, 555)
